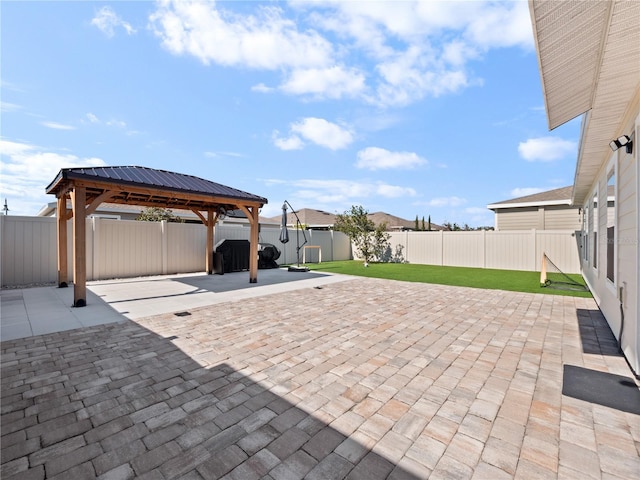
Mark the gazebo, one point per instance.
(89, 187)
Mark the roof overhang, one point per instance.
(150, 188)
(495, 206)
(589, 59)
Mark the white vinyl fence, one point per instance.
(507, 250)
(127, 248)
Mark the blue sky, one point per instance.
(411, 108)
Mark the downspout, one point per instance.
(622, 291)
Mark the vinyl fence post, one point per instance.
(164, 246)
(95, 244)
(484, 249)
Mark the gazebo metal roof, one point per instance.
(150, 187)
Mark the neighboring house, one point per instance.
(589, 57)
(320, 220)
(131, 212)
(550, 210)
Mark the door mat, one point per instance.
(607, 389)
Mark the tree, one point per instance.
(423, 227)
(157, 214)
(370, 240)
(417, 228)
(429, 224)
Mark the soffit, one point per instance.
(589, 55)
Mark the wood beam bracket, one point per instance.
(103, 197)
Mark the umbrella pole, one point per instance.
(297, 268)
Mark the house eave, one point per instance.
(495, 206)
(589, 58)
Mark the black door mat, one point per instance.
(615, 391)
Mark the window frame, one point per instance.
(595, 219)
(611, 265)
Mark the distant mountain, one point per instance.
(396, 223)
(321, 220)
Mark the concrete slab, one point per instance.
(172, 293)
(42, 310)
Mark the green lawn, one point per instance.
(513, 280)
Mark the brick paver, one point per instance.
(359, 379)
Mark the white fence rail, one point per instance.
(126, 248)
(508, 250)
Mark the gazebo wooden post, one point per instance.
(62, 217)
(253, 246)
(78, 202)
(210, 223)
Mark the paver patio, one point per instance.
(359, 379)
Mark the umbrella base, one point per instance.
(298, 268)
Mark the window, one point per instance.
(585, 234)
(611, 225)
(594, 229)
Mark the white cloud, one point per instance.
(394, 191)
(262, 88)
(347, 190)
(524, 191)
(292, 142)
(374, 158)
(106, 20)
(9, 107)
(92, 118)
(446, 202)
(480, 216)
(331, 82)
(315, 130)
(546, 149)
(321, 49)
(324, 133)
(223, 154)
(411, 75)
(485, 23)
(405, 38)
(502, 24)
(334, 195)
(58, 126)
(266, 40)
(28, 169)
(478, 211)
(116, 123)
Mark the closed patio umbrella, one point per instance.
(284, 232)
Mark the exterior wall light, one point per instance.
(623, 141)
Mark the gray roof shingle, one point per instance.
(559, 195)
